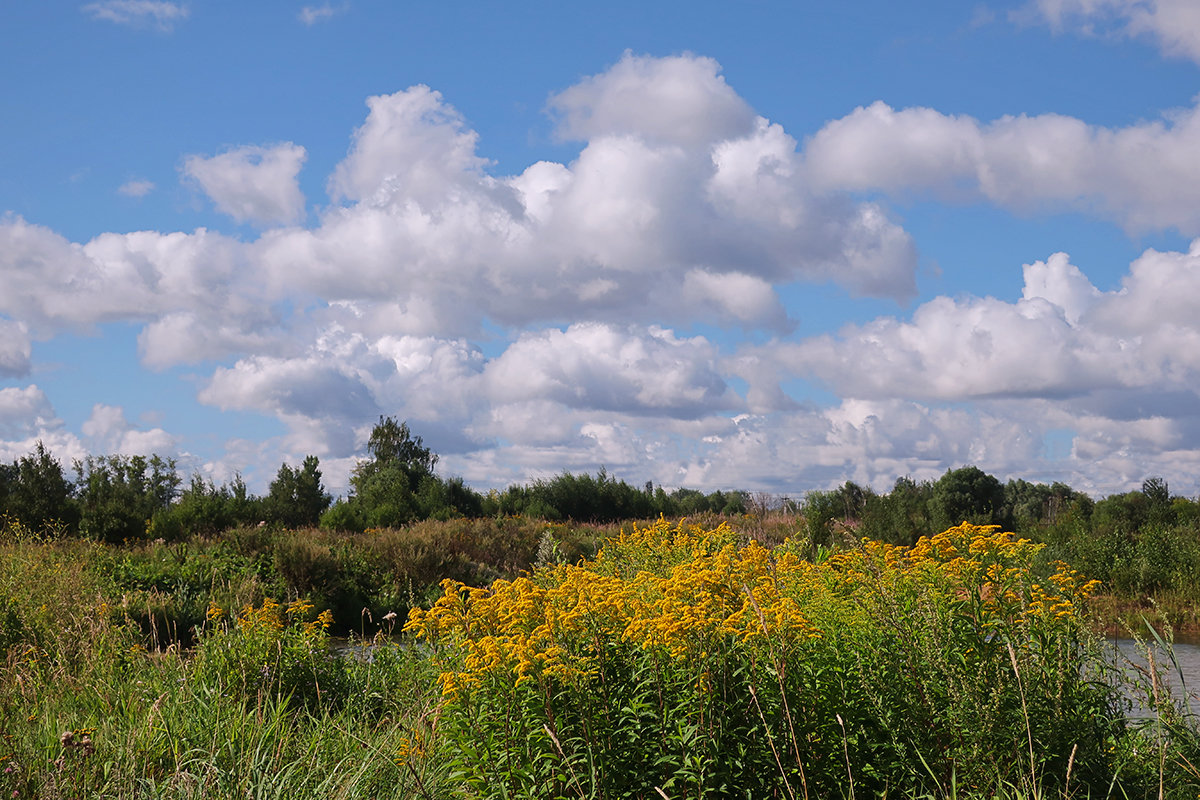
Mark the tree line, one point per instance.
(117, 498)
(1140, 541)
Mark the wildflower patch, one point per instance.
(681, 658)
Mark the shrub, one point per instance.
(682, 661)
(272, 650)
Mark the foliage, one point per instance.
(823, 509)
(272, 650)
(603, 498)
(966, 494)
(680, 661)
(119, 495)
(741, 664)
(203, 509)
(296, 497)
(397, 485)
(37, 492)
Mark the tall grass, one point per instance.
(681, 664)
(675, 661)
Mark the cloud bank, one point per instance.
(548, 319)
(1173, 25)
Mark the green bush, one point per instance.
(272, 650)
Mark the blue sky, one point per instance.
(762, 245)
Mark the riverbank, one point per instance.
(1168, 613)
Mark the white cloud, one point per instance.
(610, 236)
(577, 277)
(413, 146)
(136, 188)
(27, 417)
(15, 349)
(311, 15)
(1145, 176)
(680, 100)
(600, 367)
(52, 285)
(139, 13)
(979, 380)
(107, 430)
(255, 184)
(1174, 25)
(1063, 338)
(735, 297)
(24, 412)
(376, 309)
(307, 387)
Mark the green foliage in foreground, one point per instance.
(259, 706)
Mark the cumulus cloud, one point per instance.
(15, 349)
(24, 411)
(107, 430)
(1144, 176)
(682, 100)
(193, 290)
(600, 367)
(27, 417)
(253, 184)
(139, 13)
(1063, 338)
(530, 323)
(423, 241)
(424, 227)
(1174, 25)
(980, 380)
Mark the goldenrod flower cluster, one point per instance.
(977, 572)
(273, 618)
(688, 592)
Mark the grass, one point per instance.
(677, 662)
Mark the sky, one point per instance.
(762, 245)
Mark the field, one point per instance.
(515, 658)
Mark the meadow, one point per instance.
(512, 657)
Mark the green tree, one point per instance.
(901, 516)
(296, 498)
(203, 509)
(8, 484)
(120, 495)
(823, 510)
(967, 494)
(244, 507)
(41, 496)
(392, 444)
(397, 484)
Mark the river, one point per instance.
(1178, 670)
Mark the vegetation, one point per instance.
(162, 639)
(682, 658)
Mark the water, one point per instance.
(1178, 672)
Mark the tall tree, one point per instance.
(296, 498)
(967, 494)
(392, 444)
(120, 495)
(40, 494)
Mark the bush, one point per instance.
(681, 661)
(274, 651)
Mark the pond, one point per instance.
(1178, 670)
